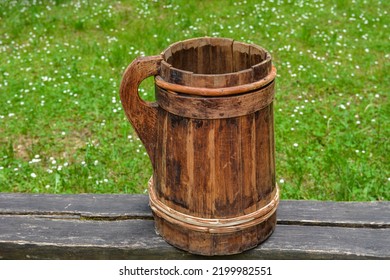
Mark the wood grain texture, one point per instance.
(94, 206)
(211, 151)
(217, 162)
(215, 108)
(37, 237)
(214, 63)
(219, 91)
(120, 227)
(197, 145)
(122, 207)
(142, 115)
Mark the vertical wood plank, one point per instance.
(159, 173)
(177, 54)
(176, 163)
(202, 168)
(249, 170)
(228, 168)
(265, 229)
(261, 70)
(213, 179)
(256, 55)
(167, 55)
(189, 59)
(271, 124)
(221, 56)
(165, 70)
(200, 242)
(241, 59)
(249, 238)
(192, 192)
(204, 59)
(263, 180)
(166, 229)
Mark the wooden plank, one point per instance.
(84, 205)
(318, 242)
(349, 214)
(24, 237)
(121, 206)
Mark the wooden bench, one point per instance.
(88, 226)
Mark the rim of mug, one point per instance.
(208, 41)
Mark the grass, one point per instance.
(63, 129)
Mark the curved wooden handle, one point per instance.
(142, 115)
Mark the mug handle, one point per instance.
(141, 114)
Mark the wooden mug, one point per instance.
(210, 138)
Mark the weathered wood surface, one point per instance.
(212, 63)
(142, 115)
(121, 227)
(217, 107)
(212, 156)
(117, 206)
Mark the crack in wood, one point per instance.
(78, 216)
(115, 218)
(123, 217)
(333, 224)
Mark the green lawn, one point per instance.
(63, 130)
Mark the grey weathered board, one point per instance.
(121, 227)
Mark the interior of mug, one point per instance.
(214, 55)
(214, 62)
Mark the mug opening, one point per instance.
(214, 63)
(213, 56)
